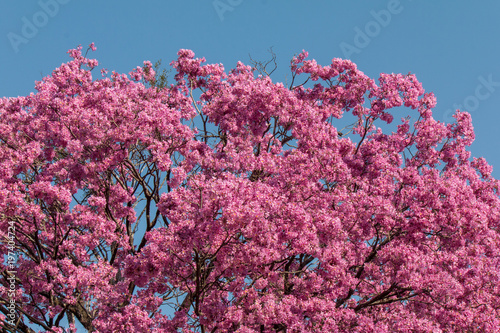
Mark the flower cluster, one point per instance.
(227, 202)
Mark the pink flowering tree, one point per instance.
(225, 202)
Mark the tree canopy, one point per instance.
(226, 202)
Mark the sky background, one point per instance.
(453, 47)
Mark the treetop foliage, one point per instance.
(226, 202)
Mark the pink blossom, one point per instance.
(239, 205)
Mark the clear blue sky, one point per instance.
(452, 46)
